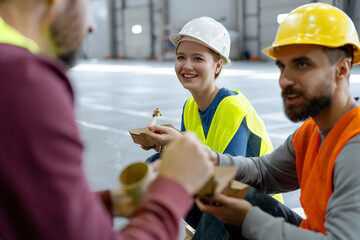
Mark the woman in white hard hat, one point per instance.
(223, 120)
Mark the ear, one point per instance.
(343, 69)
(218, 66)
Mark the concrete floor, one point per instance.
(115, 96)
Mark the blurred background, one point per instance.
(139, 29)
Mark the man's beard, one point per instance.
(310, 108)
(70, 58)
(67, 37)
(67, 52)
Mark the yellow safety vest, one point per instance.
(9, 35)
(226, 121)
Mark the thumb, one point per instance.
(158, 128)
(221, 198)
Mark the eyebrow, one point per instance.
(193, 54)
(301, 59)
(295, 60)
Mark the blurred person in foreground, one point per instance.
(44, 193)
(315, 48)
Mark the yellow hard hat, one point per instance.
(319, 24)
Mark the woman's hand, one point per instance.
(226, 209)
(161, 135)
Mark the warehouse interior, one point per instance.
(139, 29)
(126, 70)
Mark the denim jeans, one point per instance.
(209, 227)
(153, 157)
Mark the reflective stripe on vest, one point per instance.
(225, 123)
(315, 167)
(9, 35)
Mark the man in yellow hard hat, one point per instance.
(44, 194)
(315, 48)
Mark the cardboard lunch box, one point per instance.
(139, 136)
(223, 182)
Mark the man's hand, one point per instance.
(124, 205)
(187, 162)
(213, 155)
(155, 165)
(227, 209)
(161, 135)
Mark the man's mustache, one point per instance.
(291, 90)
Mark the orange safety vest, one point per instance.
(315, 166)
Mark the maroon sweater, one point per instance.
(43, 190)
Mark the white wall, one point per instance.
(136, 3)
(252, 27)
(97, 44)
(268, 17)
(138, 46)
(182, 11)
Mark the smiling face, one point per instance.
(196, 66)
(307, 80)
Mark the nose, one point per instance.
(285, 80)
(187, 64)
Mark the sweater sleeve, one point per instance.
(343, 210)
(342, 213)
(44, 192)
(272, 173)
(158, 216)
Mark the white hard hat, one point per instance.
(208, 32)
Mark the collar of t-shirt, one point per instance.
(9, 35)
(325, 132)
(208, 114)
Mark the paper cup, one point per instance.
(135, 179)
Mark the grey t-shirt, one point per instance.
(276, 172)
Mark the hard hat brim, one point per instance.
(269, 51)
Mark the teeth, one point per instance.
(189, 75)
